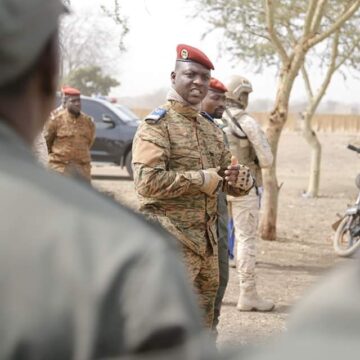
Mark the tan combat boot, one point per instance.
(249, 299)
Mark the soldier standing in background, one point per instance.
(212, 108)
(69, 136)
(180, 162)
(248, 143)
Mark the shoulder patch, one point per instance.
(155, 116)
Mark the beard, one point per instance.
(218, 113)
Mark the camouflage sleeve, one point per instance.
(258, 140)
(226, 161)
(50, 132)
(151, 154)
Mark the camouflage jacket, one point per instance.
(69, 138)
(168, 154)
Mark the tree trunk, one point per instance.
(313, 141)
(267, 225)
(277, 120)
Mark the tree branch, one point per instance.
(347, 55)
(269, 14)
(329, 73)
(259, 35)
(336, 25)
(316, 20)
(307, 82)
(309, 16)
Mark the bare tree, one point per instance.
(259, 31)
(86, 41)
(342, 48)
(90, 39)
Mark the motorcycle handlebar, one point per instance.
(353, 148)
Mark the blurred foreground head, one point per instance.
(28, 63)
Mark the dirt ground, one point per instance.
(301, 254)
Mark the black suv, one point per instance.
(115, 129)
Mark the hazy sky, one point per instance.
(157, 26)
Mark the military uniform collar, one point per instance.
(183, 109)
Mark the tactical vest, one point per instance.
(239, 144)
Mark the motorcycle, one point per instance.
(347, 229)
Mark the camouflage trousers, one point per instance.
(245, 212)
(76, 170)
(223, 256)
(204, 276)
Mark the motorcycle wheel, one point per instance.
(344, 243)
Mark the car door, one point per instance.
(109, 144)
(100, 151)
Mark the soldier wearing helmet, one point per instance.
(249, 145)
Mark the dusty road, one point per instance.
(303, 251)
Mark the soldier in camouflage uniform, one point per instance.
(69, 136)
(180, 162)
(213, 107)
(248, 143)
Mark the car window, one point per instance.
(96, 110)
(125, 113)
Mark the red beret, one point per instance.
(69, 91)
(189, 53)
(217, 85)
(63, 88)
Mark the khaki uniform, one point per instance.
(168, 154)
(249, 144)
(69, 140)
(57, 111)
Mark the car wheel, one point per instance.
(128, 164)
